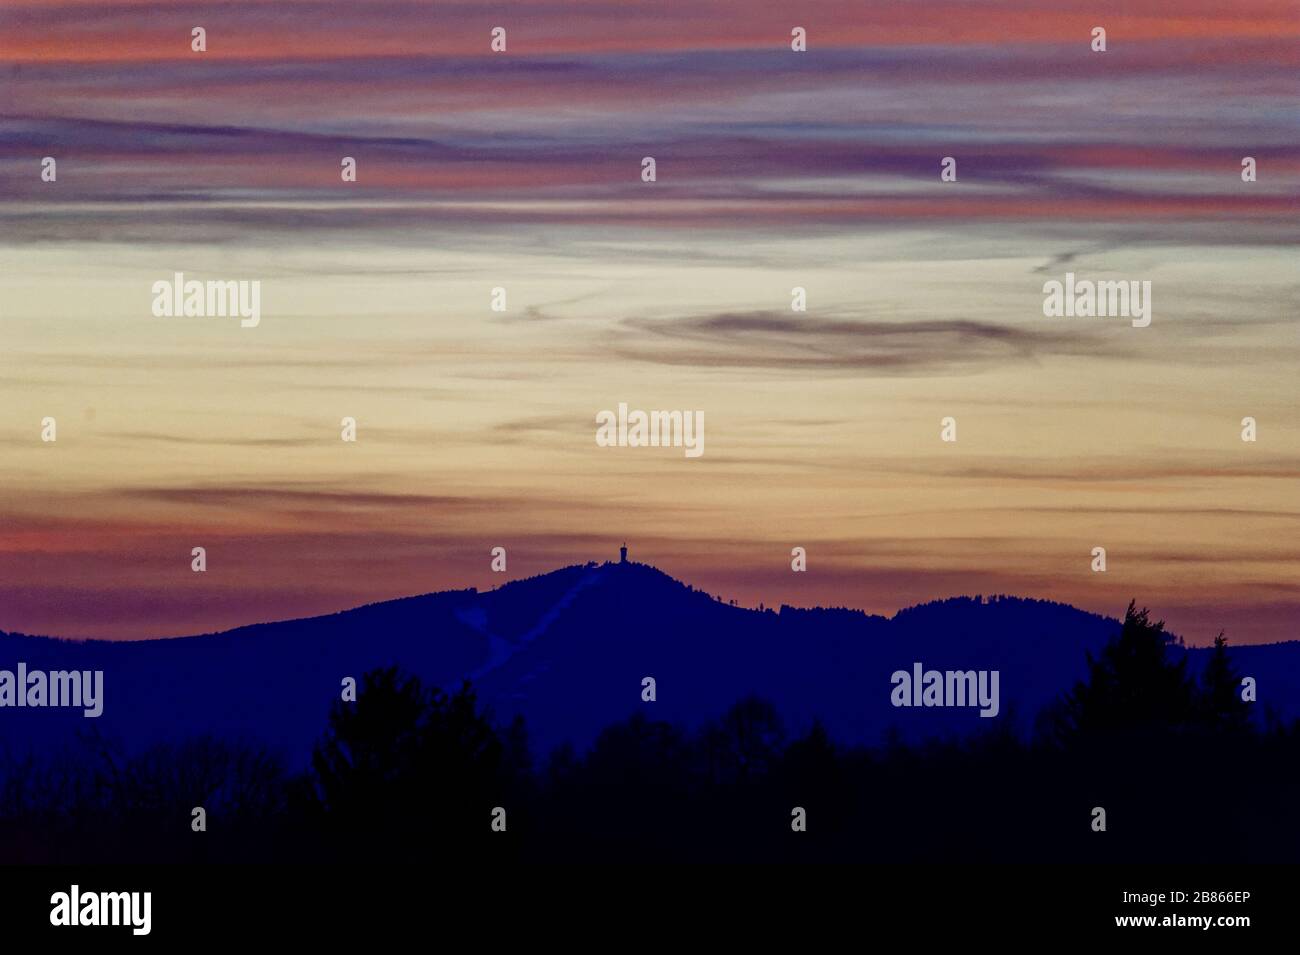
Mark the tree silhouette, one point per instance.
(410, 774)
(651, 752)
(1132, 689)
(812, 770)
(1222, 709)
(746, 742)
(408, 766)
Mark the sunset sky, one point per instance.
(521, 170)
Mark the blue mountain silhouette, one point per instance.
(569, 650)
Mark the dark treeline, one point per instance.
(409, 772)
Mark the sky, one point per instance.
(521, 170)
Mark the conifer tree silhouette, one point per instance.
(1133, 688)
(1222, 708)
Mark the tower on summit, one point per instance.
(622, 553)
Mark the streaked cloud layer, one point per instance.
(522, 170)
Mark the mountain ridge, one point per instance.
(569, 650)
(506, 585)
